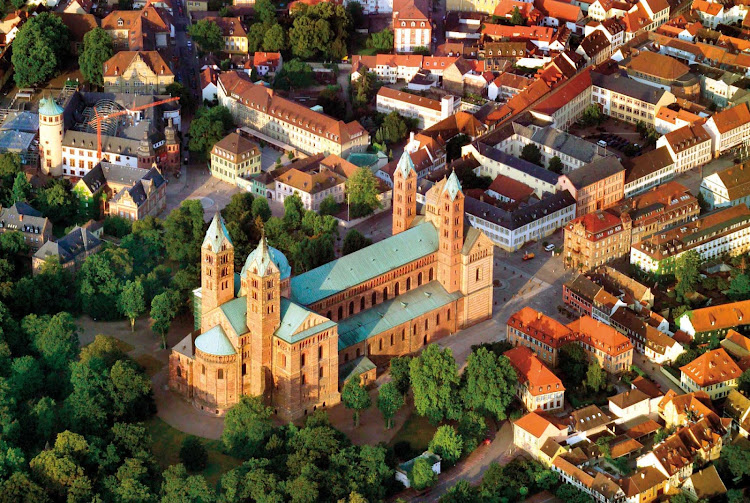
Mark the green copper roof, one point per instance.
(236, 312)
(48, 106)
(392, 313)
(362, 265)
(292, 316)
(263, 256)
(215, 342)
(405, 164)
(453, 186)
(355, 367)
(216, 234)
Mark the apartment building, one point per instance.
(537, 387)
(647, 171)
(235, 156)
(531, 432)
(233, 32)
(627, 99)
(35, 228)
(713, 372)
(137, 72)
(595, 47)
(674, 117)
(594, 239)
(712, 235)
(729, 128)
(612, 350)
(661, 71)
(285, 123)
(580, 293)
(540, 333)
(566, 104)
(690, 147)
(428, 112)
(146, 29)
(596, 186)
(612, 28)
(701, 324)
(728, 187)
(389, 68)
(412, 25)
(70, 251)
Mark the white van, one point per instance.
(602, 143)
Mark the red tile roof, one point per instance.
(597, 223)
(565, 93)
(122, 60)
(540, 33)
(541, 327)
(601, 336)
(511, 188)
(712, 367)
(732, 118)
(534, 424)
(532, 372)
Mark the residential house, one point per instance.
(286, 124)
(644, 486)
(723, 231)
(506, 85)
(612, 28)
(679, 410)
(412, 25)
(137, 72)
(672, 458)
(728, 187)
(610, 348)
(233, 32)
(737, 407)
(549, 451)
(508, 190)
(647, 171)
(69, 251)
(690, 146)
(629, 405)
(594, 239)
(531, 431)
(596, 186)
(729, 128)
(312, 181)
(713, 372)
(673, 117)
(209, 79)
(559, 14)
(147, 29)
(35, 228)
(736, 344)
(580, 293)
(595, 47)
(427, 111)
(267, 62)
(705, 484)
(197, 5)
(500, 56)
(566, 103)
(701, 324)
(627, 99)
(588, 422)
(540, 333)
(537, 388)
(466, 76)
(388, 68)
(235, 156)
(78, 25)
(454, 125)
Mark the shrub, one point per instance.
(193, 454)
(117, 226)
(421, 475)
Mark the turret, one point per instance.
(451, 233)
(404, 194)
(50, 137)
(217, 267)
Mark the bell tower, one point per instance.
(217, 266)
(404, 194)
(261, 280)
(451, 238)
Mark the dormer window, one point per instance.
(120, 22)
(403, 24)
(413, 24)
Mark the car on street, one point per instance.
(550, 247)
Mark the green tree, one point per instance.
(573, 364)
(354, 396)
(399, 370)
(354, 241)
(255, 36)
(447, 444)
(207, 127)
(739, 287)
(332, 102)
(737, 460)
(363, 89)
(743, 383)
(328, 206)
(261, 209)
(390, 400)
(193, 454)
(472, 429)
(555, 165)
(39, 49)
(421, 475)
(246, 427)
(393, 129)
(179, 487)
(571, 494)
(118, 227)
(207, 35)
(26, 378)
(265, 11)
(184, 230)
(735, 496)
(531, 153)
(454, 145)
(435, 382)
(164, 308)
(60, 469)
(21, 189)
(381, 41)
(100, 282)
(274, 39)
(462, 492)
(20, 488)
(13, 243)
(295, 74)
(97, 49)
(362, 190)
(55, 339)
(177, 90)
(488, 383)
(687, 273)
(596, 379)
(516, 18)
(592, 115)
(132, 301)
(57, 202)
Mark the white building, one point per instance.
(729, 128)
(427, 111)
(648, 171)
(403, 470)
(690, 147)
(728, 187)
(713, 372)
(412, 27)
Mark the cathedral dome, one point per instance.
(263, 256)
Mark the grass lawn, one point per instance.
(166, 446)
(417, 430)
(150, 364)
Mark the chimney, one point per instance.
(538, 315)
(20, 217)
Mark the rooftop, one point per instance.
(532, 372)
(712, 367)
(601, 336)
(595, 171)
(632, 88)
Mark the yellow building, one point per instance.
(137, 72)
(234, 33)
(486, 6)
(196, 5)
(234, 156)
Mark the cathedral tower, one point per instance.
(261, 281)
(451, 233)
(404, 194)
(50, 136)
(217, 266)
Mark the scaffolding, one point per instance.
(102, 108)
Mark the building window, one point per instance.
(320, 372)
(302, 360)
(320, 352)
(303, 380)
(220, 374)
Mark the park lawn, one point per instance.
(417, 430)
(166, 442)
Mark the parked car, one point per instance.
(550, 247)
(528, 256)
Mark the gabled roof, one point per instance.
(601, 336)
(628, 398)
(644, 165)
(511, 188)
(67, 248)
(642, 481)
(731, 118)
(595, 172)
(712, 367)
(409, 98)
(121, 61)
(532, 372)
(707, 483)
(588, 418)
(720, 317)
(541, 327)
(736, 344)
(534, 423)
(658, 65)
(22, 217)
(647, 386)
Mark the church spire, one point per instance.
(453, 186)
(217, 234)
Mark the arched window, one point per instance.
(391, 339)
(341, 312)
(351, 308)
(419, 279)
(398, 288)
(380, 345)
(429, 276)
(220, 374)
(426, 324)
(449, 315)
(320, 352)
(408, 284)
(437, 319)
(179, 372)
(328, 315)
(374, 299)
(346, 357)
(385, 294)
(362, 304)
(358, 352)
(479, 273)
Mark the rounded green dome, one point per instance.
(49, 107)
(215, 342)
(262, 256)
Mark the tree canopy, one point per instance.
(39, 49)
(488, 383)
(435, 382)
(207, 35)
(97, 49)
(207, 127)
(362, 191)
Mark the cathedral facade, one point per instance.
(293, 340)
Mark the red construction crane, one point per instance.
(99, 118)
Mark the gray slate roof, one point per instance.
(566, 143)
(105, 172)
(594, 171)
(518, 218)
(621, 84)
(32, 222)
(113, 144)
(139, 191)
(66, 249)
(527, 167)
